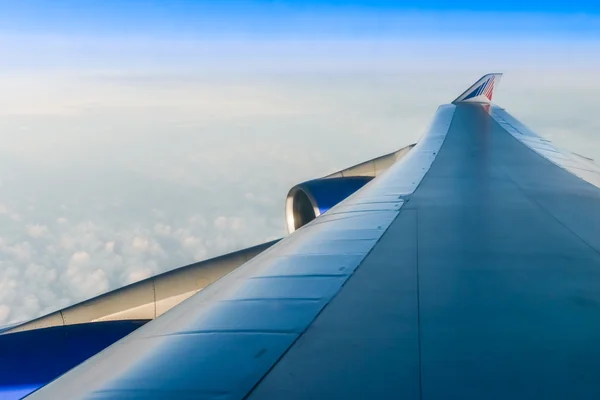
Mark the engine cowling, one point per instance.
(310, 199)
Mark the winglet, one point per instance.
(481, 92)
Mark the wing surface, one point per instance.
(469, 269)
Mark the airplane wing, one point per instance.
(468, 269)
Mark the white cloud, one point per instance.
(138, 275)
(148, 246)
(21, 251)
(229, 223)
(66, 241)
(81, 257)
(31, 305)
(36, 231)
(221, 223)
(162, 229)
(85, 283)
(4, 312)
(141, 244)
(109, 246)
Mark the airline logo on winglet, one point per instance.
(482, 91)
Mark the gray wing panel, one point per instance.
(487, 286)
(365, 344)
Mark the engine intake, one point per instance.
(310, 199)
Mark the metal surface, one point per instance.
(219, 343)
(148, 298)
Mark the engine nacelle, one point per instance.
(310, 199)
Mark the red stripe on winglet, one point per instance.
(490, 91)
(487, 91)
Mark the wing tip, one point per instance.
(481, 91)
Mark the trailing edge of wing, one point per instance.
(482, 91)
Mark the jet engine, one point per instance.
(306, 201)
(310, 199)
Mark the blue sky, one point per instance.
(301, 18)
(198, 35)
